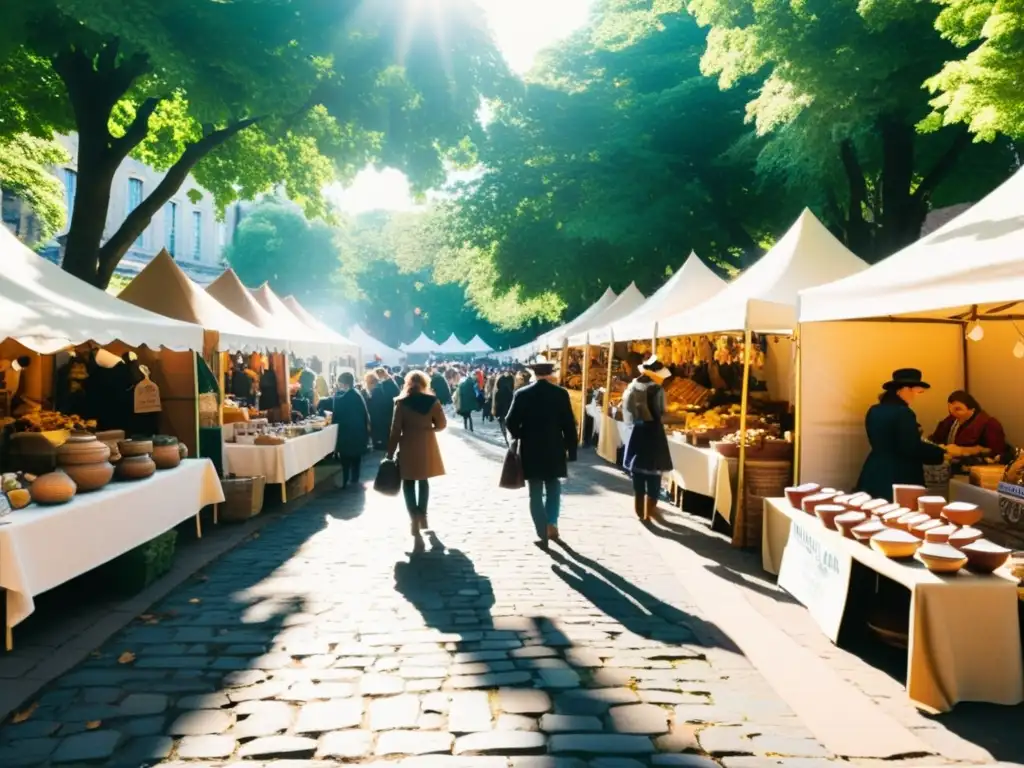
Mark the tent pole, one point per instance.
(797, 408)
(583, 386)
(606, 406)
(739, 530)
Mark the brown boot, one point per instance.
(650, 508)
(638, 505)
(553, 533)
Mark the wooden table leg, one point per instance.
(199, 526)
(216, 514)
(284, 493)
(9, 639)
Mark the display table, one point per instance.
(964, 639)
(704, 471)
(279, 463)
(44, 547)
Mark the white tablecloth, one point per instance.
(278, 463)
(44, 547)
(704, 471)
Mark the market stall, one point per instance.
(452, 347)
(344, 349)
(374, 350)
(422, 347)
(80, 370)
(304, 342)
(477, 346)
(555, 338)
(279, 454)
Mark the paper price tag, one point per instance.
(147, 396)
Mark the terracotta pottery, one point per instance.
(135, 467)
(166, 456)
(907, 495)
(910, 519)
(111, 438)
(962, 513)
(895, 544)
(941, 558)
(32, 452)
(833, 491)
(983, 556)
(964, 536)
(182, 451)
(857, 500)
(828, 513)
(883, 511)
(847, 521)
(82, 449)
(811, 502)
(843, 500)
(53, 488)
(940, 535)
(891, 518)
(931, 505)
(868, 529)
(873, 506)
(130, 448)
(921, 529)
(164, 440)
(90, 477)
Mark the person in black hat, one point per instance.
(898, 454)
(646, 456)
(541, 418)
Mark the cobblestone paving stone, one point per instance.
(322, 640)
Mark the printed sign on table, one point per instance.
(816, 571)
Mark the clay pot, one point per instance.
(847, 521)
(82, 449)
(857, 500)
(810, 503)
(182, 451)
(135, 467)
(883, 511)
(962, 513)
(983, 556)
(828, 513)
(164, 440)
(964, 536)
(907, 495)
(90, 477)
(921, 529)
(940, 535)
(910, 519)
(868, 529)
(930, 505)
(796, 494)
(941, 558)
(53, 488)
(111, 438)
(895, 544)
(891, 519)
(166, 456)
(133, 447)
(873, 506)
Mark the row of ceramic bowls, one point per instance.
(937, 533)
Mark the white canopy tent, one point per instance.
(477, 346)
(625, 303)
(912, 310)
(305, 342)
(692, 284)
(340, 345)
(764, 297)
(555, 339)
(45, 309)
(452, 346)
(423, 345)
(373, 349)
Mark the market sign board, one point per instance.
(816, 571)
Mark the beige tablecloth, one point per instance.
(44, 547)
(965, 640)
(704, 471)
(278, 463)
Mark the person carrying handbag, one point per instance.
(417, 420)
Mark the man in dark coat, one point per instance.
(439, 384)
(353, 420)
(541, 419)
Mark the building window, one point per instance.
(134, 201)
(222, 235)
(197, 234)
(171, 227)
(70, 188)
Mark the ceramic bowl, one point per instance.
(870, 507)
(135, 468)
(883, 511)
(796, 494)
(82, 449)
(895, 544)
(90, 477)
(53, 488)
(810, 503)
(962, 513)
(941, 558)
(847, 521)
(828, 513)
(868, 529)
(843, 499)
(159, 440)
(856, 500)
(133, 447)
(983, 556)
(964, 536)
(921, 529)
(910, 519)
(891, 518)
(110, 435)
(941, 534)
(931, 505)
(907, 495)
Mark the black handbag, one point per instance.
(512, 469)
(389, 478)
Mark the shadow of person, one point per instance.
(444, 586)
(634, 608)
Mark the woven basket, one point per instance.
(988, 476)
(763, 480)
(243, 498)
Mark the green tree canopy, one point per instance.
(25, 172)
(246, 95)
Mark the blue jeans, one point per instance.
(646, 485)
(545, 504)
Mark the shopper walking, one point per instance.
(466, 402)
(646, 456)
(418, 417)
(541, 419)
(504, 389)
(349, 412)
(380, 410)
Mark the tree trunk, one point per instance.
(903, 213)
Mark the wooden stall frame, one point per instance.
(586, 374)
(739, 535)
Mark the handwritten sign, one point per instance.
(147, 397)
(816, 571)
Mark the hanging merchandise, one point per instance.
(147, 394)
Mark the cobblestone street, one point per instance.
(322, 639)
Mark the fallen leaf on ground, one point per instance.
(195, 601)
(25, 714)
(92, 725)
(126, 658)
(146, 617)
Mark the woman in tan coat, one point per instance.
(418, 416)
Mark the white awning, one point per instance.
(46, 309)
(977, 259)
(373, 349)
(452, 346)
(625, 303)
(423, 345)
(556, 338)
(305, 342)
(478, 346)
(764, 297)
(340, 345)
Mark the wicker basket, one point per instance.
(987, 476)
(763, 480)
(243, 498)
